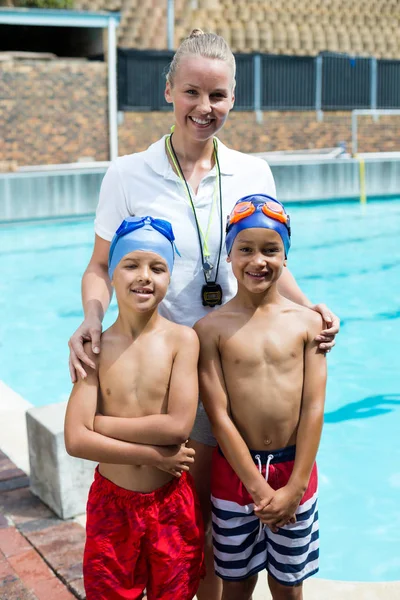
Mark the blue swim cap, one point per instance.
(142, 233)
(258, 210)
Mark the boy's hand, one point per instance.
(176, 459)
(262, 497)
(280, 510)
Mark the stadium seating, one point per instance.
(363, 27)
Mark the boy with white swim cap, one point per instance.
(262, 383)
(133, 414)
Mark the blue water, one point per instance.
(342, 254)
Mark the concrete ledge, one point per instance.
(71, 190)
(59, 480)
(12, 426)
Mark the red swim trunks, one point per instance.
(140, 540)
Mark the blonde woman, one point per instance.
(193, 180)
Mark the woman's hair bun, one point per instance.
(195, 33)
(207, 45)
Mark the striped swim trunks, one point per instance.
(242, 546)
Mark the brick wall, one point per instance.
(53, 111)
(56, 112)
(278, 131)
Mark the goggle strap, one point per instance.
(176, 249)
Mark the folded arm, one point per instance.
(83, 442)
(215, 399)
(175, 426)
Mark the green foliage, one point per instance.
(44, 3)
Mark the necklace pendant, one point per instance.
(207, 265)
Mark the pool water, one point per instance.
(343, 254)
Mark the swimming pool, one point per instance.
(342, 254)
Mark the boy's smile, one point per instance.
(142, 291)
(257, 257)
(142, 276)
(257, 275)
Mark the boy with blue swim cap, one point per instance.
(262, 383)
(258, 211)
(133, 414)
(145, 234)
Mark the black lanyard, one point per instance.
(207, 268)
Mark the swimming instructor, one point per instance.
(193, 180)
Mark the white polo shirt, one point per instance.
(145, 184)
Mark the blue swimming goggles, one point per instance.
(133, 223)
(146, 240)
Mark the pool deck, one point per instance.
(41, 555)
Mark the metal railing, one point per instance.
(272, 82)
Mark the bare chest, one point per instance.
(135, 382)
(275, 348)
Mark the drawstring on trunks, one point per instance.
(258, 459)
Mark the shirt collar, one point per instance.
(156, 158)
(226, 159)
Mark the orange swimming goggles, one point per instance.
(270, 208)
(258, 210)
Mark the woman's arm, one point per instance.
(96, 287)
(289, 288)
(175, 426)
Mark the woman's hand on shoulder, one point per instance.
(326, 337)
(89, 331)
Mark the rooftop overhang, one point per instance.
(75, 18)
(57, 18)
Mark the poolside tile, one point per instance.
(7, 573)
(62, 546)
(3, 522)
(12, 542)
(24, 574)
(52, 588)
(15, 590)
(31, 568)
(14, 484)
(22, 506)
(5, 462)
(78, 588)
(10, 472)
(39, 524)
